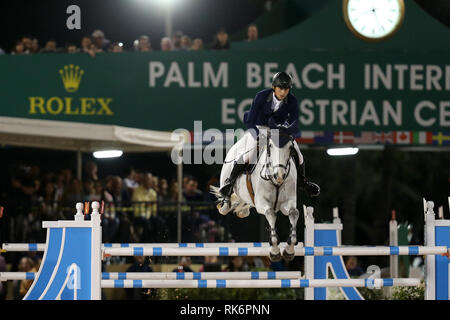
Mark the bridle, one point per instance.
(267, 172)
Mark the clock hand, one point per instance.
(376, 18)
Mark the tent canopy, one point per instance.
(84, 137)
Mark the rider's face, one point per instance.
(280, 93)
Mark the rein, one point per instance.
(266, 175)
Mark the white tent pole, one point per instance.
(180, 195)
(79, 164)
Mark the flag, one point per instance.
(383, 137)
(441, 138)
(363, 137)
(306, 137)
(422, 137)
(403, 137)
(323, 137)
(343, 137)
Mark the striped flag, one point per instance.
(441, 138)
(363, 137)
(403, 137)
(422, 137)
(323, 137)
(341, 137)
(306, 137)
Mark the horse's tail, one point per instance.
(216, 191)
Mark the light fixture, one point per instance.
(342, 151)
(102, 154)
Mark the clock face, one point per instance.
(373, 19)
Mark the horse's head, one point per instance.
(279, 151)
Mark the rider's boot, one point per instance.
(312, 189)
(238, 168)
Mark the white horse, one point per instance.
(274, 180)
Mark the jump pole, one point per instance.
(66, 273)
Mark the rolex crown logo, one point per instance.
(71, 77)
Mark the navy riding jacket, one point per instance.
(261, 113)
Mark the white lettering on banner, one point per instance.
(433, 74)
(270, 69)
(339, 76)
(254, 79)
(369, 114)
(306, 114)
(344, 113)
(156, 70)
(229, 110)
(415, 77)
(418, 116)
(220, 77)
(191, 77)
(242, 108)
(322, 104)
(305, 77)
(340, 112)
(338, 116)
(173, 77)
(378, 74)
(226, 111)
(444, 113)
(395, 115)
(367, 76)
(290, 69)
(400, 68)
(313, 75)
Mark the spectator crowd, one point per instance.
(139, 207)
(97, 42)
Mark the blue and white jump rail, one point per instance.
(71, 266)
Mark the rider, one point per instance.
(272, 107)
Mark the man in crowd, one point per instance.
(50, 47)
(99, 40)
(186, 43)
(221, 40)
(26, 265)
(144, 44)
(197, 44)
(145, 212)
(176, 40)
(252, 33)
(116, 47)
(191, 192)
(166, 44)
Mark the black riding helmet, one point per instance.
(282, 80)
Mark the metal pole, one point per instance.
(180, 195)
(79, 165)
(168, 21)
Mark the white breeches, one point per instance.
(247, 146)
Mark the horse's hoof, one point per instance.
(274, 257)
(243, 214)
(292, 241)
(288, 256)
(223, 207)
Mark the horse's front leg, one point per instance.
(274, 241)
(289, 251)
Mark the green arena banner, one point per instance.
(337, 91)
